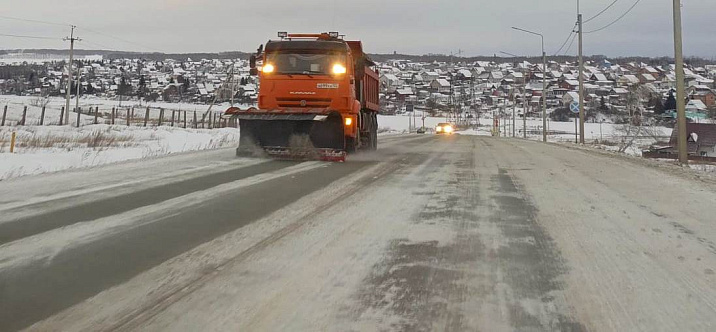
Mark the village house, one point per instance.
(702, 93)
(440, 85)
(701, 138)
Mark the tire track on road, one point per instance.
(145, 314)
(29, 293)
(88, 211)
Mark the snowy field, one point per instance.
(606, 136)
(42, 149)
(51, 148)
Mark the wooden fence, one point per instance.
(141, 117)
(673, 155)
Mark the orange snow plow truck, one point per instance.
(318, 99)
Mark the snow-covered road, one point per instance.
(428, 233)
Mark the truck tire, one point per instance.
(374, 132)
(350, 144)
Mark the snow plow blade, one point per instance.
(305, 154)
(292, 136)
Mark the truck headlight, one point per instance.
(268, 68)
(339, 69)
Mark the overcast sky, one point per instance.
(477, 27)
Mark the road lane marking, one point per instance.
(46, 245)
(124, 188)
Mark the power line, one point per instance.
(570, 44)
(565, 43)
(602, 12)
(117, 38)
(32, 21)
(69, 25)
(617, 20)
(566, 40)
(100, 45)
(30, 37)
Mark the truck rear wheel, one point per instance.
(373, 132)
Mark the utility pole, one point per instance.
(544, 93)
(514, 109)
(504, 125)
(524, 105)
(231, 81)
(680, 107)
(72, 40)
(77, 96)
(581, 81)
(544, 82)
(524, 95)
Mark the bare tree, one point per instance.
(40, 101)
(635, 128)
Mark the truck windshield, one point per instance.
(304, 63)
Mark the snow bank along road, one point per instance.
(428, 233)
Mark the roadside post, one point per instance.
(42, 116)
(412, 110)
(12, 143)
(574, 107)
(24, 116)
(4, 114)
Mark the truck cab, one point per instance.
(316, 86)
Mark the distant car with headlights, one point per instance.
(444, 128)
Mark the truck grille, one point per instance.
(304, 102)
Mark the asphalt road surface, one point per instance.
(430, 233)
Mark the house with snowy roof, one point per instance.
(496, 76)
(695, 105)
(440, 85)
(627, 80)
(702, 93)
(701, 139)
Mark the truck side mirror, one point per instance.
(253, 71)
(252, 61)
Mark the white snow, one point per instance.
(136, 142)
(46, 245)
(15, 105)
(41, 149)
(563, 131)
